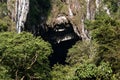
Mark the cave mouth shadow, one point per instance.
(60, 52)
(39, 11)
(62, 37)
(36, 24)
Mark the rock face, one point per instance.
(61, 14)
(19, 10)
(76, 12)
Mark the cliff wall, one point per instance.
(41, 16)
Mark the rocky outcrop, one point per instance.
(75, 12)
(56, 14)
(18, 10)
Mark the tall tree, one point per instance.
(25, 56)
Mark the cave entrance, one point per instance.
(60, 51)
(61, 34)
(62, 38)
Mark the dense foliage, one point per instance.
(24, 56)
(91, 71)
(6, 23)
(106, 33)
(98, 59)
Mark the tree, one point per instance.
(4, 75)
(93, 72)
(105, 31)
(62, 72)
(82, 52)
(6, 24)
(25, 55)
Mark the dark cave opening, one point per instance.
(62, 38)
(60, 51)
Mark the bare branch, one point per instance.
(33, 61)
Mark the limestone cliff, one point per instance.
(56, 16)
(74, 12)
(18, 10)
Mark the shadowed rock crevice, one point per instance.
(60, 34)
(38, 13)
(60, 52)
(62, 37)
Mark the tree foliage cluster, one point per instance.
(98, 59)
(23, 56)
(6, 23)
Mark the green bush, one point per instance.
(4, 73)
(63, 72)
(3, 26)
(93, 72)
(6, 24)
(105, 31)
(25, 55)
(82, 52)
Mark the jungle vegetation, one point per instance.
(26, 57)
